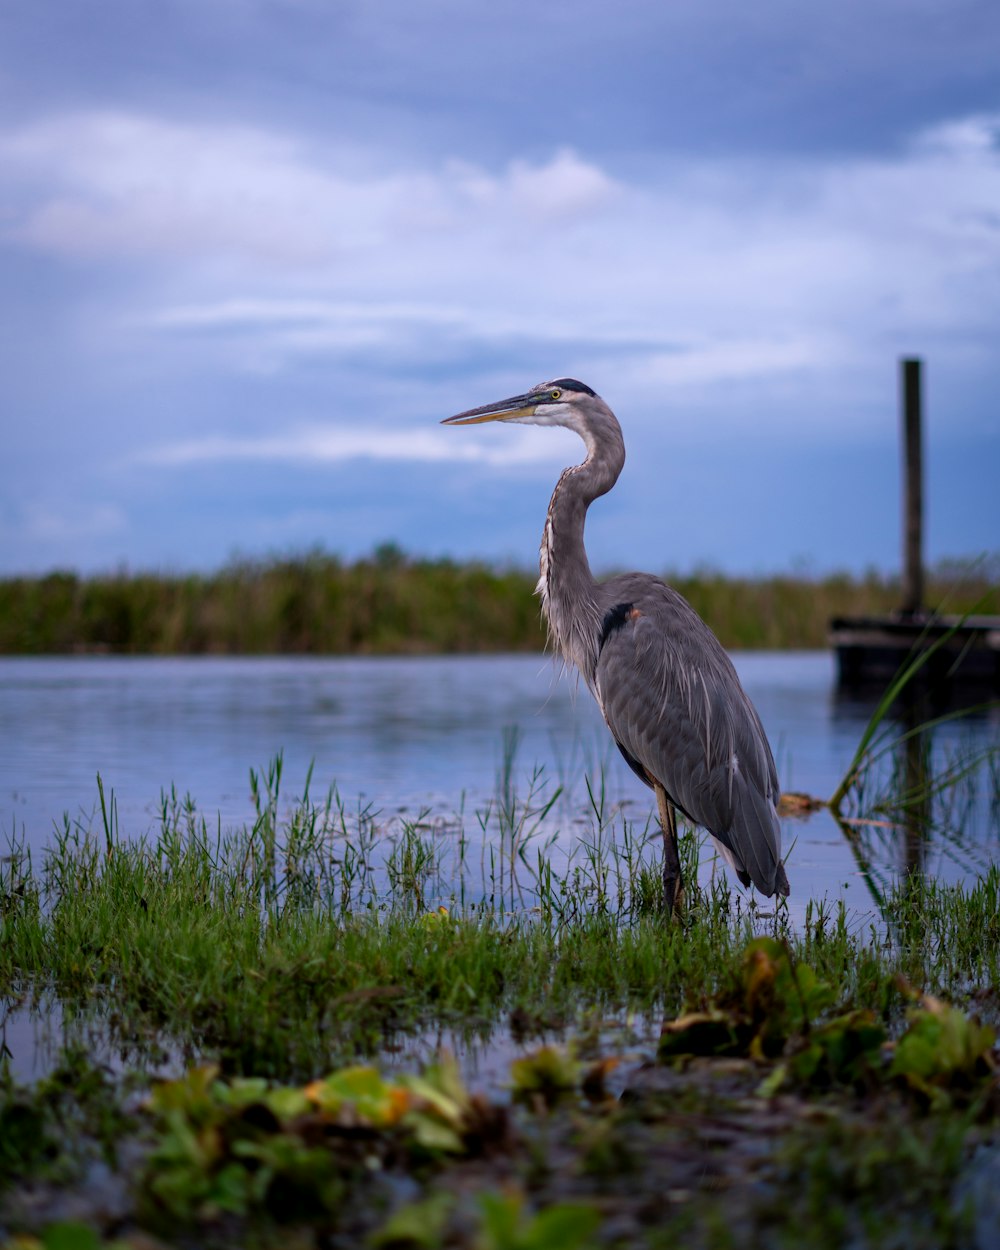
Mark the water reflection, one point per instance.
(924, 791)
(916, 796)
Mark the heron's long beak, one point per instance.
(504, 410)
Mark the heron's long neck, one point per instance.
(566, 585)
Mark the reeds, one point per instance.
(392, 604)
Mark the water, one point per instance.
(409, 737)
(416, 737)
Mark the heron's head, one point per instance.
(563, 401)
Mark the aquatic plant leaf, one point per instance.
(433, 1135)
(706, 1033)
(441, 1088)
(194, 1095)
(427, 1106)
(186, 1144)
(501, 1218)
(564, 1226)
(773, 1082)
(942, 1047)
(229, 1191)
(845, 1050)
(70, 1235)
(594, 1080)
(813, 995)
(287, 1102)
(241, 1091)
(181, 1174)
(763, 959)
(290, 1178)
(24, 1136)
(363, 1090)
(780, 996)
(773, 1014)
(550, 1072)
(435, 919)
(417, 1226)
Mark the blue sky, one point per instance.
(251, 253)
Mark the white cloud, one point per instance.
(122, 185)
(560, 190)
(320, 445)
(709, 271)
(66, 524)
(275, 312)
(705, 363)
(975, 136)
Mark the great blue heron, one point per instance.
(666, 687)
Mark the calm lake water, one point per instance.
(408, 737)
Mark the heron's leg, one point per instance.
(673, 885)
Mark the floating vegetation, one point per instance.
(212, 1157)
(779, 1010)
(241, 1146)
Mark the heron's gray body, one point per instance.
(675, 706)
(666, 687)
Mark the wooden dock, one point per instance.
(965, 667)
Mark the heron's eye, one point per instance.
(555, 392)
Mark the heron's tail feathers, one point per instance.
(755, 841)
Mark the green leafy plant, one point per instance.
(774, 999)
(500, 1221)
(944, 1055)
(547, 1074)
(780, 1012)
(239, 1145)
(415, 1226)
(507, 1226)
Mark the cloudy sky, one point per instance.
(251, 252)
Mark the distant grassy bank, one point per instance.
(389, 603)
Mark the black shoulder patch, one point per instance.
(614, 619)
(571, 384)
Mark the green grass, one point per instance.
(262, 962)
(392, 604)
(287, 945)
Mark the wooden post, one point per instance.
(913, 498)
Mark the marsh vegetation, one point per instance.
(322, 1029)
(390, 603)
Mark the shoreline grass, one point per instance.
(390, 603)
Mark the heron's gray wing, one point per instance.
(675, 705)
